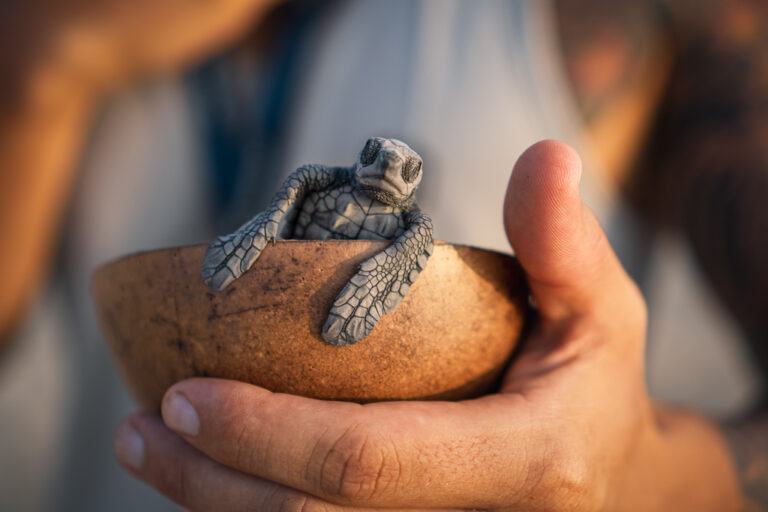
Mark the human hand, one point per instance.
(571, 429)
(104, 44)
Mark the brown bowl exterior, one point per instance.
(449, 339)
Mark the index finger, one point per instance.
(397, 454)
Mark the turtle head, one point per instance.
(389, 171)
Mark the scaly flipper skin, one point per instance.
(380, 284)
(374, 200)
(230, 256)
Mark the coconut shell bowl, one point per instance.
(450, 338)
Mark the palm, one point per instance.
(571, 429)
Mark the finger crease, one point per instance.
(377, 480)
(313, 456)
(344, 469)
(324, 482)
(242, 453)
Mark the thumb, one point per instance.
(571, 267)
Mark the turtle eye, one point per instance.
(411, 169)
(370, 151)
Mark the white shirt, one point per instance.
(469, 84)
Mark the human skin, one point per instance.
(73, 54)
(572, 427)
(53, 83)
(700, 164)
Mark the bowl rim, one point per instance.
(289, 241)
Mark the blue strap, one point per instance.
(242, 110)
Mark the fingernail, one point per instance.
(129, 447)
(179, 415)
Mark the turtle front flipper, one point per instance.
(380, 284)
(230, 256)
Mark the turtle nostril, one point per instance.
(388, 160)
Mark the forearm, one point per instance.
(713, 188)
(42, 128)
(705, 171)
(56, 62)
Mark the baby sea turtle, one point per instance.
(372, 200)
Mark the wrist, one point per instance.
(682, 463)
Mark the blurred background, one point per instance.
(134, 125)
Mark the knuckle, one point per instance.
(358, 466)
(569, 481)
(573, 478)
